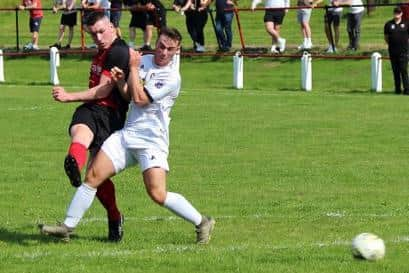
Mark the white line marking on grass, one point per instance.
(252, 216)
(30, 108)
(192, 248)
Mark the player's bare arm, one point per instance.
(100, 91)
(118, 76)
(135, 85)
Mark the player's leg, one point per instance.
(81, 137)
(101, 169)
(154, 168)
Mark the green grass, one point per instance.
(290, 176)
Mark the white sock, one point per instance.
(181, 207)
(80, 203)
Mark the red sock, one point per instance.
(106, 195)
(79, 152)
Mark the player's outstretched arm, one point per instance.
(98, 92)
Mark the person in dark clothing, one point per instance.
(224, 20)
(146, 14)
(196, 19)
(396, 33)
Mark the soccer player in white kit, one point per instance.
(153, 85)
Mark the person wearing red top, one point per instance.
(36, 14)
(103, 112)
(405, 10)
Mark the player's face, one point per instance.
(102, 32)
(165, 49)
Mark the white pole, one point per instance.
(306, 72)
(376, 72)
(1, 66)
(238, 71)
(54, 63)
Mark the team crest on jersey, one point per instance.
(402, 25)
(392, 26)
(159, 84)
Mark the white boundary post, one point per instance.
(54, 63)
(238, 71)
(376, 72)
(1, 66)
(306, 72)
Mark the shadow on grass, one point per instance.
(23, 238)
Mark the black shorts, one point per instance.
(115, 17)
(102, 121)
(35, 24)
(69, 19)
(138, 20)
(332, 18)
(156, 18)
(275, 16)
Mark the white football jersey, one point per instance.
(148, 126)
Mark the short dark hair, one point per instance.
(91, 18)
(397, 10)
(172, 33)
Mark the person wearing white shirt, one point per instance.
(273, 19)
(152, 87)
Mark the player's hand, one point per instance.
(59, 94)
(21, 7)
(134, 59)
(117, 74)
(55, 9)
(150, 6)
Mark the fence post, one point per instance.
(54, 63)
(306, 72)
(238, 70)
(1, 66)
(376, 72)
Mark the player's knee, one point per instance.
(157, 196)
(91, 178)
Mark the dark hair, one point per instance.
(397, 10)
(91, 18)
(172, 33)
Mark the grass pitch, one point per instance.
(291, 177)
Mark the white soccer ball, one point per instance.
(368, 246)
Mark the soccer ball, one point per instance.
(368, 246)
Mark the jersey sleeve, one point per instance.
(162, 85)
(118, 56)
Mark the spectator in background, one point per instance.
(223, 23)
(354, 19)
(303, 17)
(405, 10)
(196, 20)
(146, 14)
(96, 5)
(180, 6)
(396, 33)
(115, 16)
(68, 19)
(36, 15)
(273, 19)
(332, 19)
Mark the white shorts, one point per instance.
(123, 157)
(303, 15)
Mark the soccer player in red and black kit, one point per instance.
(102, 113)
